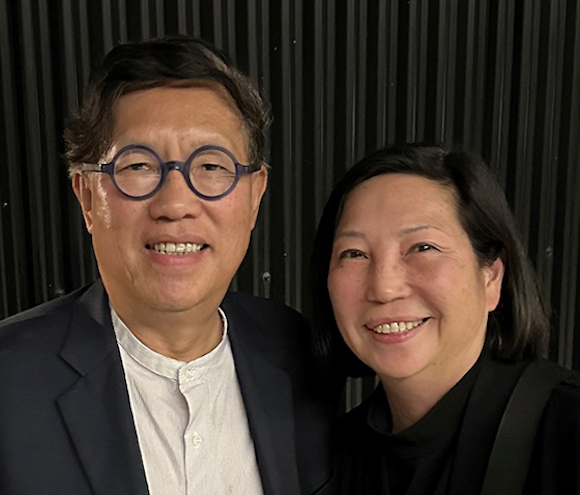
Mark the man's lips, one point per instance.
(176, 248)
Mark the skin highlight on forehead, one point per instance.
(169, 129)
(448, 191)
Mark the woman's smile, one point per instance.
(407, 271)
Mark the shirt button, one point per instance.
(197, 440)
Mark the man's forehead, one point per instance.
(205, 85)
(193, 114)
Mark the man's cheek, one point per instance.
(102, 207)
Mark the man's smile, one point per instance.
(176, 248)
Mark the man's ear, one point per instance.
(259, 183)
(493, 275)
(82, 189)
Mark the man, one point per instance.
(148, 380)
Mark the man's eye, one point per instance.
(135, 167)
(215, 167)
(351, 254)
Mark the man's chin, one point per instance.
(175, 301)
(176, 305)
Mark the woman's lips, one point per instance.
(397, 327)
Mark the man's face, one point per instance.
(138, 275)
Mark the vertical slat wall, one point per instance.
(501, 78)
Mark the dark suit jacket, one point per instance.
(65, 421)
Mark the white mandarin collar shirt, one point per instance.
(190, 419)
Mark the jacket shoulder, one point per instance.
(261, 307)
(35, 326)
(271, 319)
(278, 332)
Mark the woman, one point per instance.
(418, 269)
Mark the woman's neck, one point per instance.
(411, 398)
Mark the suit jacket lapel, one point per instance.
(96, 410)
(267, 393)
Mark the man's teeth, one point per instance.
(397, 327)
(177, 248)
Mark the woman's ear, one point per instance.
(493, 276)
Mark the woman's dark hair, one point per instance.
(518, 328)
(171, 61)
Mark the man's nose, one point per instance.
(175, 200)
(387, 281)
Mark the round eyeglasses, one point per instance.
(138, 172)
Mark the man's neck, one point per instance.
(179, 335)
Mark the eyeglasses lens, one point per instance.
(212, 172)
(137, 172)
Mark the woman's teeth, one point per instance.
(397, 327)
(177, 248)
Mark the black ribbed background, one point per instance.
(501, 78)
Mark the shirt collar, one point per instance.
(166, 366)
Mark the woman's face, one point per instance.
(409, 296)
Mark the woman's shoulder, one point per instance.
(562, 409)
(357, 450)
(565, 398)
(555, 464)
(560, 425)
(355, 418)
(353, 426)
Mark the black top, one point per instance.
(447, 451)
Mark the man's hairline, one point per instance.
(125, 89)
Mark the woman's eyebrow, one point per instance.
(418, 228)
(401, 233)
(350, 233)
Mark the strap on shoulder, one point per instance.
(512, 450)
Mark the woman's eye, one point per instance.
(351, 254)
(418, 248)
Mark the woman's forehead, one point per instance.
(398, 192)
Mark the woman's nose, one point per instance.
(387, 281)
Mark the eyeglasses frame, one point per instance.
(166, 167)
